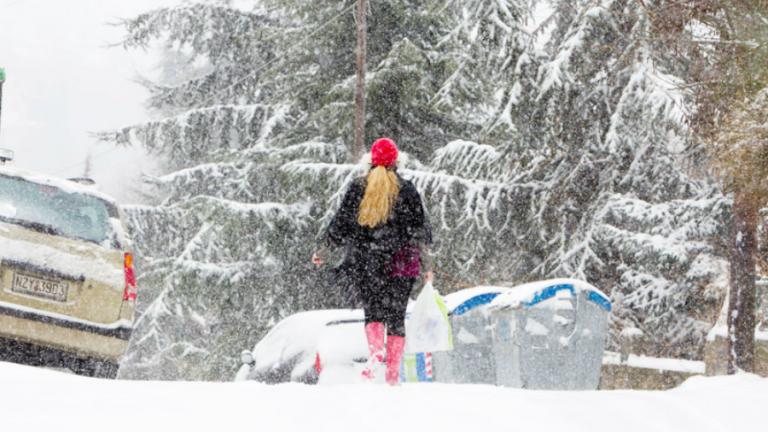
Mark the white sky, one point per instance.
(64, 82)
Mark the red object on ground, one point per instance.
(395, 346)
(374, 332)
(318, 364)
(383, 152)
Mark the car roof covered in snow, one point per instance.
(298, 334)
(62, 184)
(534, 293)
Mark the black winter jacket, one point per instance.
(371, 249)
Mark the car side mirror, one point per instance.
(247, 358)
(115, 242)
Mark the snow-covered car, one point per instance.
(307, 345)
(67, 286)
(329, 346)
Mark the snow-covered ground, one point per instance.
(44, 400)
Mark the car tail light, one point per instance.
(130, 278)
(318, 364)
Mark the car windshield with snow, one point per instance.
(67, 288)
(51, 210)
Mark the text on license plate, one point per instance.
(40, 287)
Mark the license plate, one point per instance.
(48, 289)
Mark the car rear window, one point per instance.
(54, 211)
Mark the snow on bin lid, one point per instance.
(463, 301)
(533, 293)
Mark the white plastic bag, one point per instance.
(428, 328)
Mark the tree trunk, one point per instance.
(359, 126)
(741, 301)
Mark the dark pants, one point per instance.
(385, 300)
(384, 297)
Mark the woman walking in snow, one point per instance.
(385, 230)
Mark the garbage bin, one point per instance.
(472, 358)
(549, 335)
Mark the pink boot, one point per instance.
(374, 332)
(395, 345)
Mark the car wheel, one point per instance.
(96, 368)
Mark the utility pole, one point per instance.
(2, 80)
(5, 154)
(359, 127)
(87, 169)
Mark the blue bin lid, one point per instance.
(474, 302)
(463, 301)
(533, 293)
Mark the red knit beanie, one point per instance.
(383, 152)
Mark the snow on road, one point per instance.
(43, 400)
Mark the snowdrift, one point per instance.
(41, 400)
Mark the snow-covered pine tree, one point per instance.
(731, 87)
(223, 253)
(551, 153)
(628, 216)
(595, 185)
(253, 143)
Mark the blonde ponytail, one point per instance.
(381, 192)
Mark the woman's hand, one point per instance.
(429, 276)
(316, 260)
